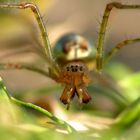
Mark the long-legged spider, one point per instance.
(66, 64)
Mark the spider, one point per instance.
(67, 61)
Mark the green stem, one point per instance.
(129, 116)
(123, 122)
(69, 128)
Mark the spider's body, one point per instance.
(72, 52)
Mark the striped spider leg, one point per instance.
(100, 59)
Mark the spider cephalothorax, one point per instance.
(75, 77)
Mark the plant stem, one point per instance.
(69, 128)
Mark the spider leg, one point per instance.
(119, 46)
(19, 66)
(35, 10)
(102, 32)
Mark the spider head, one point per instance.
(75, 77)
(72, 47)
(74, 68)
(74, 73)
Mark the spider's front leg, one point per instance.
(39, 20)
(101, 35)
(47, 46)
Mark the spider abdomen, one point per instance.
(71, 47)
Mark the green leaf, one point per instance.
(3, 93)
(7, 107)
(130, 115)
(123, 122)
(117, 70)
(8, 113)
(131, 86)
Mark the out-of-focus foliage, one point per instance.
(17, 123)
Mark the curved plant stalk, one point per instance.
(69, 128)
(129, 116)
(4, 95)
(123, 122)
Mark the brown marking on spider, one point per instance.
(75, 77)
(11, 65)
(84, 45)
(67, 46)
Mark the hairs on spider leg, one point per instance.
(96, 31)
(98, 21)
(44, 18)
(38, 46)
(21, 52)
(33, 47)
(18, 52)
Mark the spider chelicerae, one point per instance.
(67, 61)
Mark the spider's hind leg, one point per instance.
(119, 46)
